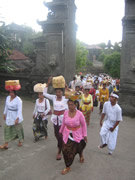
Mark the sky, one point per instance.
(98, 20)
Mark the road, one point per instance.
(37, 160)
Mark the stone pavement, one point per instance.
(37, 160)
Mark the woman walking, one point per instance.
(103, 96)
(74, 133)
(41, 110)
(86, 105)
(59, 107)
(13, 120)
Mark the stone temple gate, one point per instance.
(127, 75)
(55, 50)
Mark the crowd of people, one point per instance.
(70, 114)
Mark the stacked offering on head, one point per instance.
(58, 82)
(39, 87)
(71, 94)
(12, 85)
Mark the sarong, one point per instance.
(87, 115)
(70, 150)
(14, 132)
(58, 137)
(40, 128)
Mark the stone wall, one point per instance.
(127, 75)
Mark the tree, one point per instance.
(5, 63)
(101, 57)
(117, 46)
(81, 56)
(21, 36)
(112, 64)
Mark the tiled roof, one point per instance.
(17, 55)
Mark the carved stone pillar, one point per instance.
(127, 75)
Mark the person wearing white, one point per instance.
(41, 110)
(72, 83)
(13, 120)
(13, 110)
(59, 106)
(112, 113)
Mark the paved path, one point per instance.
(36, 161)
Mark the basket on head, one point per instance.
(12, 85)
(39, 87)
(58, 82)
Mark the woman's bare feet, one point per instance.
(4, 146)
(65, 170)
(46, 137)
(20, 144)
(58, 157)
(82, 159)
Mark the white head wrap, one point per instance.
(114, 95)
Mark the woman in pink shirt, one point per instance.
(74, 133)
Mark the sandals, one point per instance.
(81, 160)
(102, 146)
(4, 147)
(65, 170)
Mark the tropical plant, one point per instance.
(5, 63)
(112, 64)
(81, 56)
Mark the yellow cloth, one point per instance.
(86, 107)
(114, 89)
(103, 95)
(100, 87)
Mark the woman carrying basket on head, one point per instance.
(59, 107)
(13, 115)
(40, 113)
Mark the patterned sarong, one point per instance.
(40, 128)
(87, 115)
(13, 132)
(70, 149)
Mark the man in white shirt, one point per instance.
(109, 129)
(72, 83)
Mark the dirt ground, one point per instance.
(37, 160)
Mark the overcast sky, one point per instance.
(98, 20)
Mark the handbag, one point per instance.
(50, 112)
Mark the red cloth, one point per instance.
(93, 93)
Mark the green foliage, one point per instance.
(27, 48)
(21, 37)
(89, 63)
(117, 47)
(112, 64)
(102, 57)
(5, 63)
(102, 45)
(81, 56)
